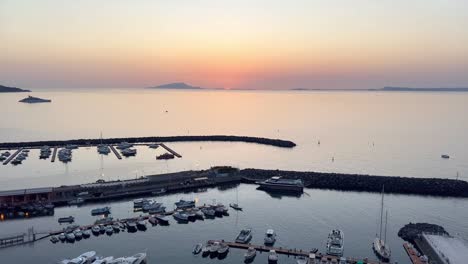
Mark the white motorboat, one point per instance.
(244, 236)
(197, 248)
(214, 248)
(270, 237)
(335, 243)
(250, 254)
(85, 258)
(86, 233)
(272, 256)
(139, 258)
(70, 237)
(105, 260)
(223, 249)
(302, 260)
(109, 230)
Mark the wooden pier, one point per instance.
(296, 252)
(54, 154)
(412, 254)
(18, 239)
(12, 156)
(170, 150)
(117, 154)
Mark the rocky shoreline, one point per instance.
(412, 231)
(217, 138)
(366, 183)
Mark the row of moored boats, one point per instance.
(92, 258)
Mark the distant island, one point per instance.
(6, 89)
(176, 85)
(388, 89)
(407, 89)
(34, 100)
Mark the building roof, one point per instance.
(452, 250)
(26, 191)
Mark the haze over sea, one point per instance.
(381, 133)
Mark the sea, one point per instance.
(365, 132)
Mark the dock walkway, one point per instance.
(117, 154)
(170, 150)
(412, 254)
(296, 252)
(54, 154)
(12, 156)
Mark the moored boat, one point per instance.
(162, 220)
(272, 256)
(244, 236)
(335, 243)
(197, 248)
(250, 254)
(69, 219)
(270, 237)
(280, 184)
(181, 217)
(101, 211)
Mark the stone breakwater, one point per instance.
(367, 183)
(217, 138)
(412, 231)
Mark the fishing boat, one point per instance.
(335, 243)
(86, 233)
(206, 250)
(244, 236)
(116, 227)
(101, 211)
(141, 224)
(102, 228)
(445, 156)
(131, 226)
(380, 247)
(78, 234)
(54, 239)
(182, 204)
(270, 237)
(152, 220)
(208, 212)
(96, 230)
(272, 256)
(109, 230)
(197, 248)
(302, 260)
(70, 237)
(223, 249)
(181, 217)
(250, 254)
(69, 219)
(162, 220)
(103, 260)
(235, 206)
(62, 237)
(214, 248)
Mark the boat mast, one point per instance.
(385, 233)
(381, 211)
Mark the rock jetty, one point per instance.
(367, 183)
(412, 230)
(218, 138)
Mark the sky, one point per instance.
(243, 44)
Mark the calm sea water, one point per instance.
(365, 132)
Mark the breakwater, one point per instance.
(367, 183)
(216, 138)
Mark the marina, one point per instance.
(12, 156)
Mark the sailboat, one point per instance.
(236, 206)
(381, 249)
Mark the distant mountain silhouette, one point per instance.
(404, 89)
(6, 89)
(176, 85)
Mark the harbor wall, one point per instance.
(366, 183)
(216, 138)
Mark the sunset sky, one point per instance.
(234, 44)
